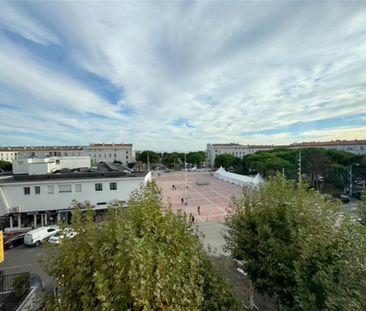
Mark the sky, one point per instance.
(176, 75)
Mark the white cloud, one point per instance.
(228, 68)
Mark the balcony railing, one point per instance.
(13, 289)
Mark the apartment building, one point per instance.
(352, 146)
(9, 154)
(123, 153)
(237, 150)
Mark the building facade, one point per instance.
(123, 153)
(30, 201)
(9, 154)
(237, 150)
(352, 146)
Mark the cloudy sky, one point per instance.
(178, 75)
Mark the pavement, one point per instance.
(25, 259)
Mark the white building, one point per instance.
(237, 150)
(39, 166)
(28, 201)
(9, 154)
(111, 152)
(50, 151)
(352, 146)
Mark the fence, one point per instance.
(13, 289)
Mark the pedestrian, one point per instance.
(182, 200)
(192, 219)
(198, 210)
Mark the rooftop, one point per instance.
(103, 170)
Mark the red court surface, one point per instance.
(213, 198)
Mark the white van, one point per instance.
(37, 236)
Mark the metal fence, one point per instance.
(13, 289)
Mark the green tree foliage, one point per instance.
(196, 158)
(225, 160)
(296, 248)
(173, 159)
(152, 155)
(361, 209)
(141, 258)
(5, 165)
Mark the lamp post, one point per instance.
(350, 177)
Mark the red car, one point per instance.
(13, 240)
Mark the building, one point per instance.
(111, 152)
(9, 154)
(39, 166)
(237, 150)
(352, 146)
(123, 153)
(38, 199)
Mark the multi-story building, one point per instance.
(123, 153)
(352, 146)
(237, 150)
(213, 150)
(111, 152)
(44, 195)
(9, 154)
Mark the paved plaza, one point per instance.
(212, 195)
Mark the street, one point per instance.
(25, 259)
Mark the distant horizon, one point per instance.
(198, 149)
(182, 74)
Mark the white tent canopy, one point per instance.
(237, 179)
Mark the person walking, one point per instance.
(182, 200)
(199, 210)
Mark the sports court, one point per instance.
(213, 197)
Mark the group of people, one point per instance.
(185, 202)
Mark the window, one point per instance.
(77, 187)
(115, 155)
(99, 187)
(64, 188)
(102, 203)
(37, 190)
(361, 147)
(57, 161)
(126, 151)
(113, 186)
(26, 190)
(51, 189)
(127, 157)
(110, 155)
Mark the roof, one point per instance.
(330, 143)
(109, 145)
(228, 145)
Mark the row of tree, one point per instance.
(293, 244)
(331, 166)
(172, 159)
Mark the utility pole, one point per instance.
(148, 163)
(299, 166)
(185, 179)
(350, 178)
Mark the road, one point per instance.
(26, 259)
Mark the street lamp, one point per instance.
(350, 178)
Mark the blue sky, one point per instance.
(178, 75)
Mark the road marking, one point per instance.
(16, 267)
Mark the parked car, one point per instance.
(13, 240)
(67, 233)
(342, 197)
(37, 236)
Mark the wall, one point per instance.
(14, 193)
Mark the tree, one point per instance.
(361, 209)
(296, 249)
(5, 166)
(144, 155)
(196, 158)
(224, 160)
(141, 258)
(173, 159)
